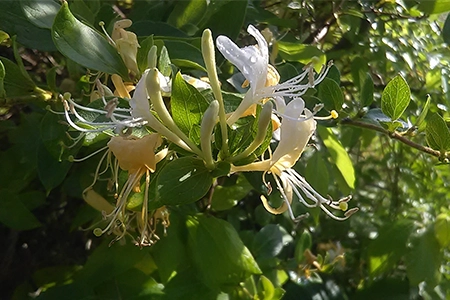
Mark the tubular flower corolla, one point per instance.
(253, 62)
(296, 129)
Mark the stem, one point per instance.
(397, 136)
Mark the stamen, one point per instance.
(89, 155)
(102, 26)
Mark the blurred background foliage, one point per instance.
(228, 246)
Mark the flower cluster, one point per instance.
(277, 107)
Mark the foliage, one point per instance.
(176, 175)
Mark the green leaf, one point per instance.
(225, 197)
(51, 171)
(390, 245)
(424, 259)
(84, 45)
(395, 97)
(164, 62)
(316, 173)
(331, 94)
(301, 53)
(268, 242)
(434, 6)
(359, 69)
(437, 133)
(182, 181)
(15, 83)
(182, 53)
(446, 30)
(266, 290)
(420, 124)
(142, 54)
(40, 13)
(442, 229)
(14, 22)
(188, 106)
(367, 89)
(14, 214)
(218, 252)
(187, 12)
(338, 155)
(303, 243)
(107, 262)
(217, 18)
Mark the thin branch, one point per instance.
(396, 136)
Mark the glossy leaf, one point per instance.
(214, 242)
(71, 37)
(15, 83)
(395, 98)
(14, 21)
(437, 133)
(338, 155)
(420, 124)
(142, 54)
(188, 106)
(268, 242)
(446, 30)
(182, 181)
(40, 13)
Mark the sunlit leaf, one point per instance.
(434, 6)
(188, 106)
(437, 133)
(420, 124)
(442, 229)
(85, 45)
(40, 13)
(338, 155)
(390, 245)
(268, 242)
(395, 97)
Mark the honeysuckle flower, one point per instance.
(85, 118)
(126, 43)
(253, 62)
(296, 129)
(137, 157)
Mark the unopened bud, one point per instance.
(152, 57)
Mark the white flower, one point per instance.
(297, 127)
(253, 62)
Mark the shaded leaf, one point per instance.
(437, 133)
(182, 181)
(214, 242)
(331, 94)
(14, 214)
(395, 97)
(424, 259)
